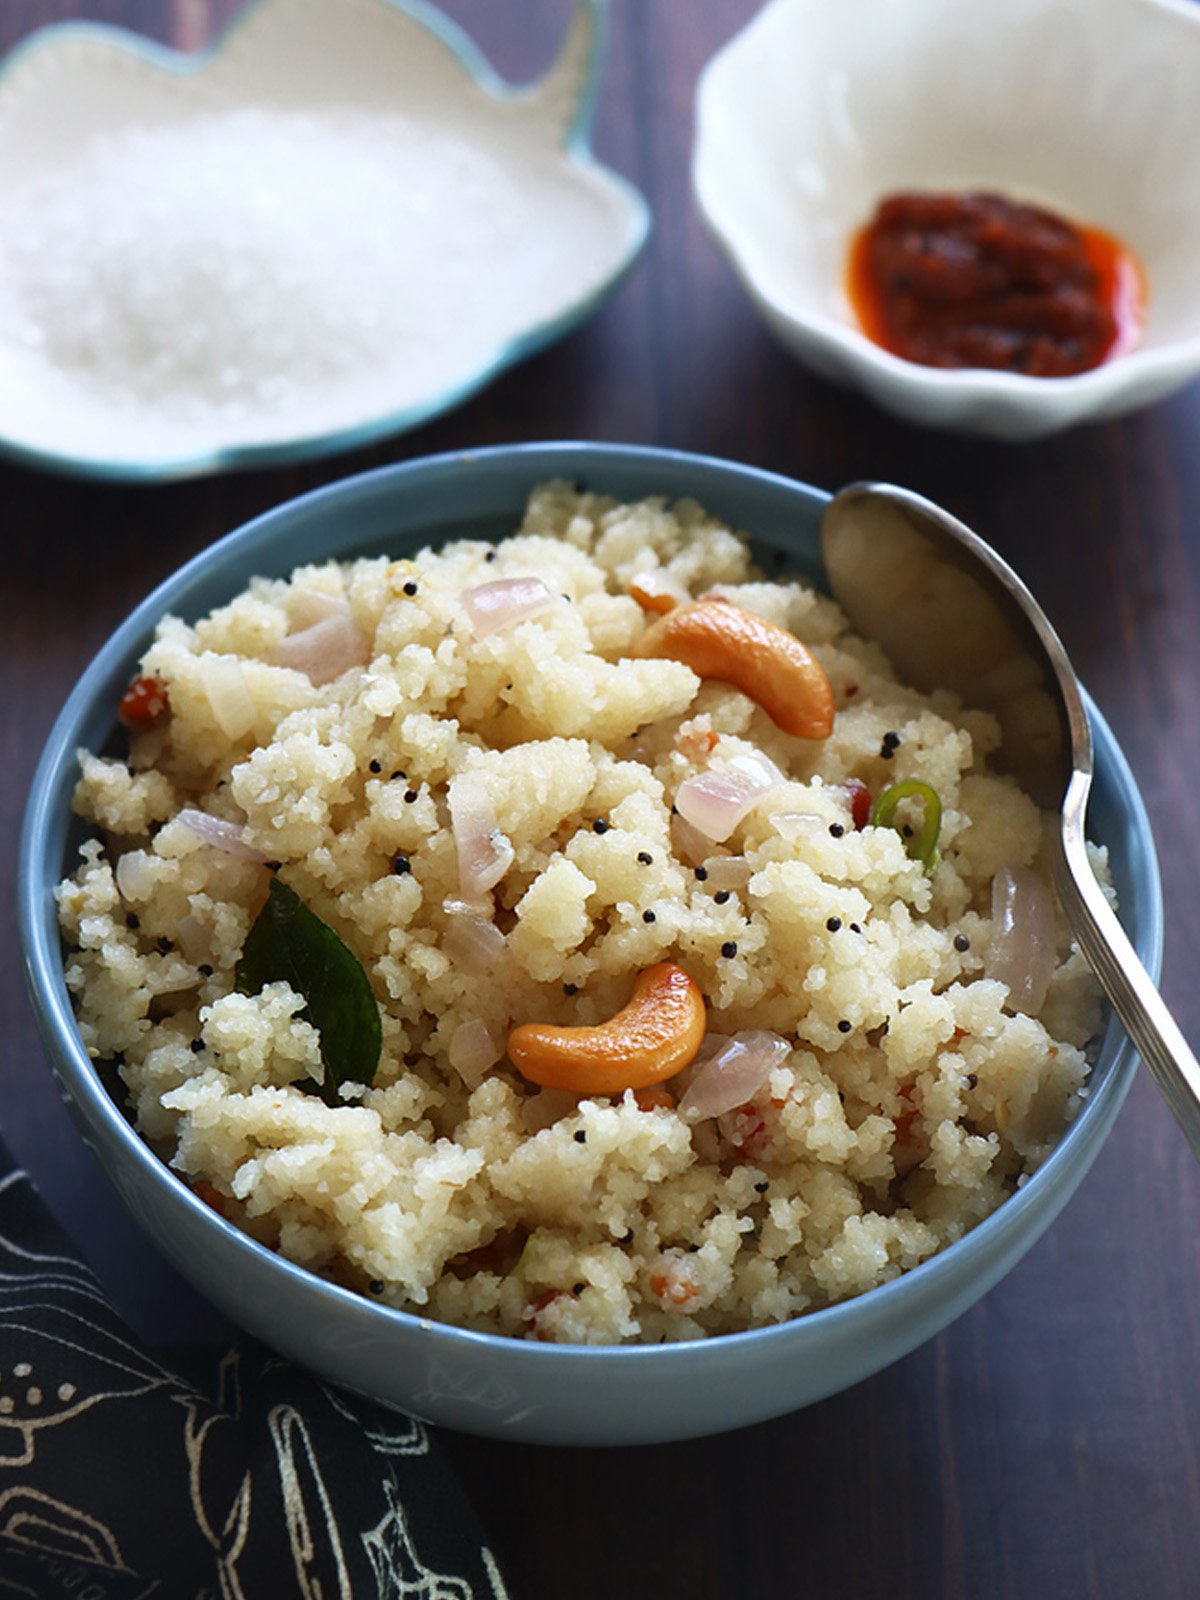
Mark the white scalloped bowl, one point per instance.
(521, 232)
(1091, 107)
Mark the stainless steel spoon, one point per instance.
(951, 614)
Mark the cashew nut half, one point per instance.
(654, 1035)
(719, 639)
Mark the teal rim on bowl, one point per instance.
(486, 1383)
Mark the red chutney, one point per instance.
(978, 280)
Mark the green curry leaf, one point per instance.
(290, 944)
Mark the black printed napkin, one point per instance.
(121, 1479)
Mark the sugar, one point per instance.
(257, 264)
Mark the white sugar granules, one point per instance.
(290, 268)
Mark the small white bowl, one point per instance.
(1090, 107)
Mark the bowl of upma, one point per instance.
(520, 955)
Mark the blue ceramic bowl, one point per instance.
(477, 1382)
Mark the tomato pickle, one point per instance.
(980, 280)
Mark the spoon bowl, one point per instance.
(950, 613)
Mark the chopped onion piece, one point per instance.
(222, 835)
(327, 647)
(716, 801)
(472, 942)
(484, 853)
(492, 606)
(194, 940)
(473, 1052)
(711, 1045)
(306, 606)
(733, 1076)
(792, 825)
(727, 872)
(136, 878)
(757, 765)
(544, 1109)
(224, 685)
(484, 906)
(1021, 952)
(689, 843)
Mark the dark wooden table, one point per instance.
(1047, 1443)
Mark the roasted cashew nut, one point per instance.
(722, 640)
(654, 1036)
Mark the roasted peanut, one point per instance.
(654, 1035)
(719, 639)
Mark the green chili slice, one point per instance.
(923, 845)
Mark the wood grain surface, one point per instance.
(1047, 1443)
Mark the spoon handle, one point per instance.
(1155, 1034)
